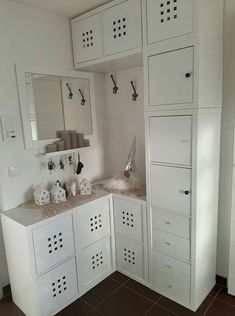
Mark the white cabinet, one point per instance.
(112, 31)
(53, 243)
(131, 237)
(121, 27)
(168, 18)
(56, 287)
(171, 188)
(171, 139)
(171, 77)
(87, 39)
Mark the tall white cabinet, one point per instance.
(183, 84)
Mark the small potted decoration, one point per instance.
(85, 187)
(58, 194)
(41, 195)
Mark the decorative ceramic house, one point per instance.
(58, 194)
(85, 187)
(41, 195)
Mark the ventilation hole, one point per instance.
(61, 246)
(50, 251)
(114, 23)
(95, 217)
(86, 33)
(54, 295)
(54, 236)
(49, 245)
(58, 280)
(114, 36)
(53, 284)
(59, 292)
(49, 239)
(60, 234)
(90, 31)
(132, 215)
(99, 215)
(92, 230)
(161, 5)
(64, 283)
(63, 277)
(119, 21)
(168, 18)
(168, 3)
(91, 219)
(125, 259)
(55, 242)
(61, 239)
(83, 34)
(56, 248)
(168, 10)
(175, 9)
(175, 16)
(65, 288)
(53, 290)
(162, 12)
(59, 286)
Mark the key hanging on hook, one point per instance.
(70, 91)
(51, 165)
(115, 88)
(61, 164)
(135, 94)
(83, 100)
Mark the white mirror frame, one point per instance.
(21, 70)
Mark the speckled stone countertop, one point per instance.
(29, 213)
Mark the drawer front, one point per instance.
(130, 256)
(170, 244)
(171, 286)
(93, 221)
(171, 77)
(94, 261)
(171, 223)
(128, 219)
(171, 188)
(53, 243)
(170, 139)
(171, 266)
(56, 288)
(87, 39)
(166, 19)
(121, 27)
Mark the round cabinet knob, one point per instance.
(187, 75)
(186, 192)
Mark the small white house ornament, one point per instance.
(58, 194)
(41, 195)
(85, 187)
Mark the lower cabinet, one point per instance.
(131, 237)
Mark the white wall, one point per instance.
(125, 118)
(227, 131)
(34, 37)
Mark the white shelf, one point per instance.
(68, 151)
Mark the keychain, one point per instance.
(51, 165)
(70, 158)
(61, 164)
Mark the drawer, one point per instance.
(171, 286)
(166, 19)
(94, 261)
(170, 244)
(130, 256)
(128, 219)
(171, 189)
(171, 223)
(171, 266)
(170, 77)
(93, 221)
(53, 243)
(170, 139)
(56, 288)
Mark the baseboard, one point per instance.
(221, 280)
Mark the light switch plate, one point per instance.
(8, 128)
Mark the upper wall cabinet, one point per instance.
(168, 18)
(87, 39)
(112, 31)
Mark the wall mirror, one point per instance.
(52, 100)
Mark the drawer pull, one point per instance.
(168, 223)
(186, 192)
(168, 243)
(168, 266)
(187, 75)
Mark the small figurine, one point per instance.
(41, 195)
(57, 193)
(85, 187)
(73, 189)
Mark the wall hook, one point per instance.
(70, 91)
(115, 88)
(135, 94)
(83, 100)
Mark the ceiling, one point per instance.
(67, 8)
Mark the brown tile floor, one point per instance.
(119, 296)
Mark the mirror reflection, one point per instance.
(58, 103)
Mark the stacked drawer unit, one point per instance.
(131, 237)
(170, 185)
(94, 242)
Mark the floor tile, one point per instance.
(8, 308)
(119, 277)
(224, 296)
(78, 308)
(143, 290)
(220, 308)
(182, 311)
(124, 302)
(159, 311)
(94, 312)
(100, 291)
(215, 290)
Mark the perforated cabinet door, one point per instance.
(53, 243)
(93, 221)
(87, 39)
(168, 18)
(56, 288)
(121, 27)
